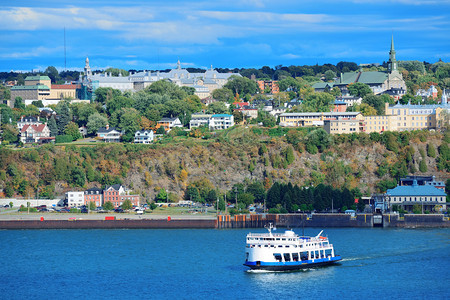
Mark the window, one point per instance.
(287, 256)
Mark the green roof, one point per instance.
(372, 77)
(37, 78)
(363, 77)
(322, 85)
(30, 87)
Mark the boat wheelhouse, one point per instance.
(287, 251)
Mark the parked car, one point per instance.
(6, 205)
(44, 209)
(84, 210)
(118, 210)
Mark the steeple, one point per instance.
(178, 65)
(392, 63)
(87, 68)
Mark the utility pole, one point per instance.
(235, 190)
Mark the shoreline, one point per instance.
(211, 221)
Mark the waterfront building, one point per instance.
(117, 194)
(428, 197)
(109, 134)
(143, 136)
(93, 195)
(75, 198)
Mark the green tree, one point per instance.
(161, 196)
(65, 116)
(376, 102)
(330, 75)
(359, 89)
(96, 121)
(10, 133)
(217, 108)
(103, 95)
(18, 103)
(238, 116)
(241, 85)
(72, 129)
(128, 121)
(92, 205)
(118, 103)
(431, 151)
(52, 126)
(423, 166)
(52, 72)
(290, 155)
(223, 94)
(108, 205)
(127, 205)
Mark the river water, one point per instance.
(196, 264)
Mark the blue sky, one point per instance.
(224, 33)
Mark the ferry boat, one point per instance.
(287, 251)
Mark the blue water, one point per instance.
(198, 264)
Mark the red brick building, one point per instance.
(117, 194)
(93, 195)
(271, 85)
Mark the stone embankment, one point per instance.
(226, 221)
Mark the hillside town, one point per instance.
(150, 107)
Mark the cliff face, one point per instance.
(235, 156)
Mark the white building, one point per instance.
(198, 120)
(221, 121)
(203, 83)
(143, 137)
(75, 199)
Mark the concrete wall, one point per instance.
(33, 202)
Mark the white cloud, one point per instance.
(35, 52)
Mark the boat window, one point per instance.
(278, 239)
(328, 253)
(277, 256)
(304, 255)
(295, 256)
(287, 256)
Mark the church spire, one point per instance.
(392, 63)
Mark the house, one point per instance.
(249, 112)
(198, 120)
(117, 194)
(349, 100)
(75, 199)
(109, 134)
(431, 92)
(169, 123)
(338, 126)
(93, 195)
(143, 136)
(427, 197)
(29, 120)
(221, 121)
(339, 106)
(35, 134)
